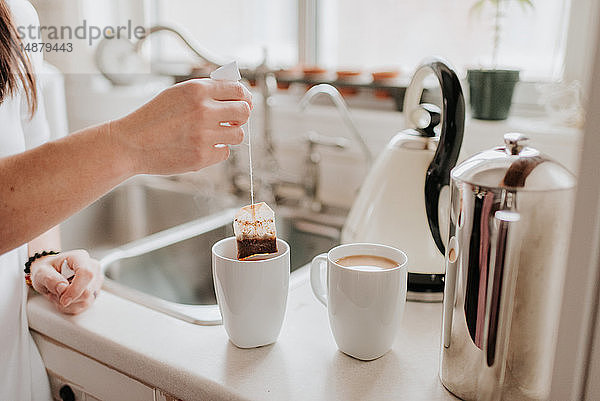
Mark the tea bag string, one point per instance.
(251, 167)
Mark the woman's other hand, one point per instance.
(70, 298)
(177, 131)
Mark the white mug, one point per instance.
(365, 307)
(252, 294)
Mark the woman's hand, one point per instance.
(177, 131)
(70, 298)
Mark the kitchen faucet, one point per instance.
(343, 110)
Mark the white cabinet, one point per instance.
(76, 377)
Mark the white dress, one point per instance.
(22, 373)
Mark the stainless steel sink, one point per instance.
(154, 238)
(170, 271)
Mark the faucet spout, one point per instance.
(343, 110)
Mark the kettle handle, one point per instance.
(451, 136)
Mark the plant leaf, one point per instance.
(526, 4)
(477, 7)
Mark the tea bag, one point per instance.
(255, 232)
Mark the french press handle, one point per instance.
(500, 299)
(451, 134)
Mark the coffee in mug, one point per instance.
(367, 262)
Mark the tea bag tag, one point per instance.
(227, 72)
(66, 271)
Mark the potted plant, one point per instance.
(491, 90)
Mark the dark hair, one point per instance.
(15, 65)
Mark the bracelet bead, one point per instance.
(36, 256)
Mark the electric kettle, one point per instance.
(399, 201)
(510, 219)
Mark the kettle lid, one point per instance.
(514, 166)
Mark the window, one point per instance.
(235, 28)
(381, 33)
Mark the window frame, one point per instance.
(580, 41)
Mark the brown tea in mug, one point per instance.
(367, 262)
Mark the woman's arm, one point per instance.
(41, 187)
(173, 133)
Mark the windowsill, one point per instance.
(526, 98)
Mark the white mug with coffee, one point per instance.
(252, 294)
(365, 296)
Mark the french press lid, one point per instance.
(514, 166)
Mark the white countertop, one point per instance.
(198, 362)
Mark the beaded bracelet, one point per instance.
(31, 259)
